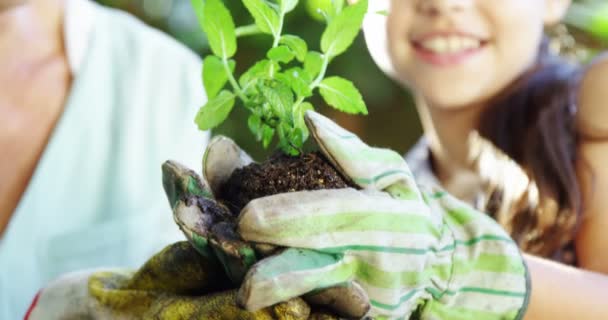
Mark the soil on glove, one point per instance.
(280, 174)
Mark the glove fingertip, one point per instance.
(252, 222)
(249, 301)
(221, 158)
(179, 182)
(264, 284)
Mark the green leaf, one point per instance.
(313, 63)
(259, 70)
(214, 75)
(296, 44)
(282, 135)
(298, 113)
(288, 5)
(298, 79)
(342, 95)
(215, 111)
(296, 136)
(247, 30)
(279, 97)
(254, 122)
(280, 54)
(289, 150)
(342, 31)
(285, 143)
(338, 6)
(265, 17)
(267, 135)
(298, 118)
(325, 9)
(219, 27)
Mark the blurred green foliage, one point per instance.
(392, 121)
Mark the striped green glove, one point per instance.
(417, 253)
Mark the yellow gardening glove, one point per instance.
(186, 280)
(176, 283)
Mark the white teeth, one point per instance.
(436, 44)
(450, 44)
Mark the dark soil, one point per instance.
(280, 174)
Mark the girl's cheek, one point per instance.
(518, 44)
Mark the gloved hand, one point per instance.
(210, 228)
(414, 251)
(177, 283)
(180, 282)
(207, 223)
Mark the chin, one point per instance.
(453, 98)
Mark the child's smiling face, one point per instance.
(457, 53)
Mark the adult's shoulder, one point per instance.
(592, 117)
(157, 81)
(148, 63)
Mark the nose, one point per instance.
(438, 7)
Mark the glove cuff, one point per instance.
(488, 276)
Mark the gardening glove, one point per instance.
(177, 283)
(207, 223)
(417, 252)
(182, 281)
(210, 228)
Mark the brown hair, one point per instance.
(533, 124)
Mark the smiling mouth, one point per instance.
(447, 49)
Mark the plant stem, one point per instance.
(235, 85)
(277, 38)
(321, 75)
(317, 81)
(297, 103)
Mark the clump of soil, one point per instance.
(280, 174)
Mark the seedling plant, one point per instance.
(275, 90)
